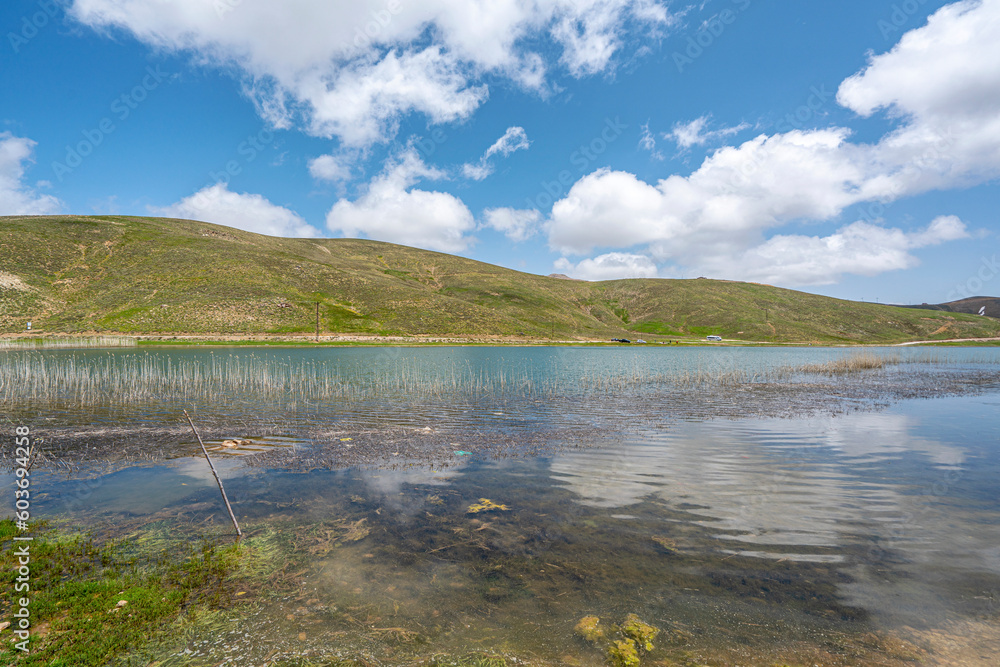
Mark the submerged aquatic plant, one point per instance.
(642, 633)
(626, 644)
(665, 542)
(623, 653)
(486, 505)
(472, 660)
(589, 627)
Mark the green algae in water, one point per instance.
(486, 505)
(641, 633)
(623, 653)
(634, 638)
(589, 627)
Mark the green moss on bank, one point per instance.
(92, 602)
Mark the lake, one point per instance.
(473, 501)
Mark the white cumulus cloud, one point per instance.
(610, 266)
(936, 70)
(333, 168)
(249, 212)
(393, 210)
(736, 193)
(352, 69)
(516, 224)
(859, 248)
(362, 102)
(941, 87)
(17, 198)
(943, 81)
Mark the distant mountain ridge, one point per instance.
(974, 305)
(165, 276)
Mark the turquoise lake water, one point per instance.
(778, 517)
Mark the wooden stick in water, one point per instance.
(211, 465)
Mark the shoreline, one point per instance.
(429, 340)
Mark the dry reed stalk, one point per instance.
(239, 533)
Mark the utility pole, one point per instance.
(317, 321)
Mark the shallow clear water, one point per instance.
(811, 539)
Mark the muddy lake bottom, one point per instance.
(811, 521)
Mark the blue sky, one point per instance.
(847, 148)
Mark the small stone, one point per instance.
(302, 636)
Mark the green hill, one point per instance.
(154, 275)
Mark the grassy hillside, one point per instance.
(146, 275)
